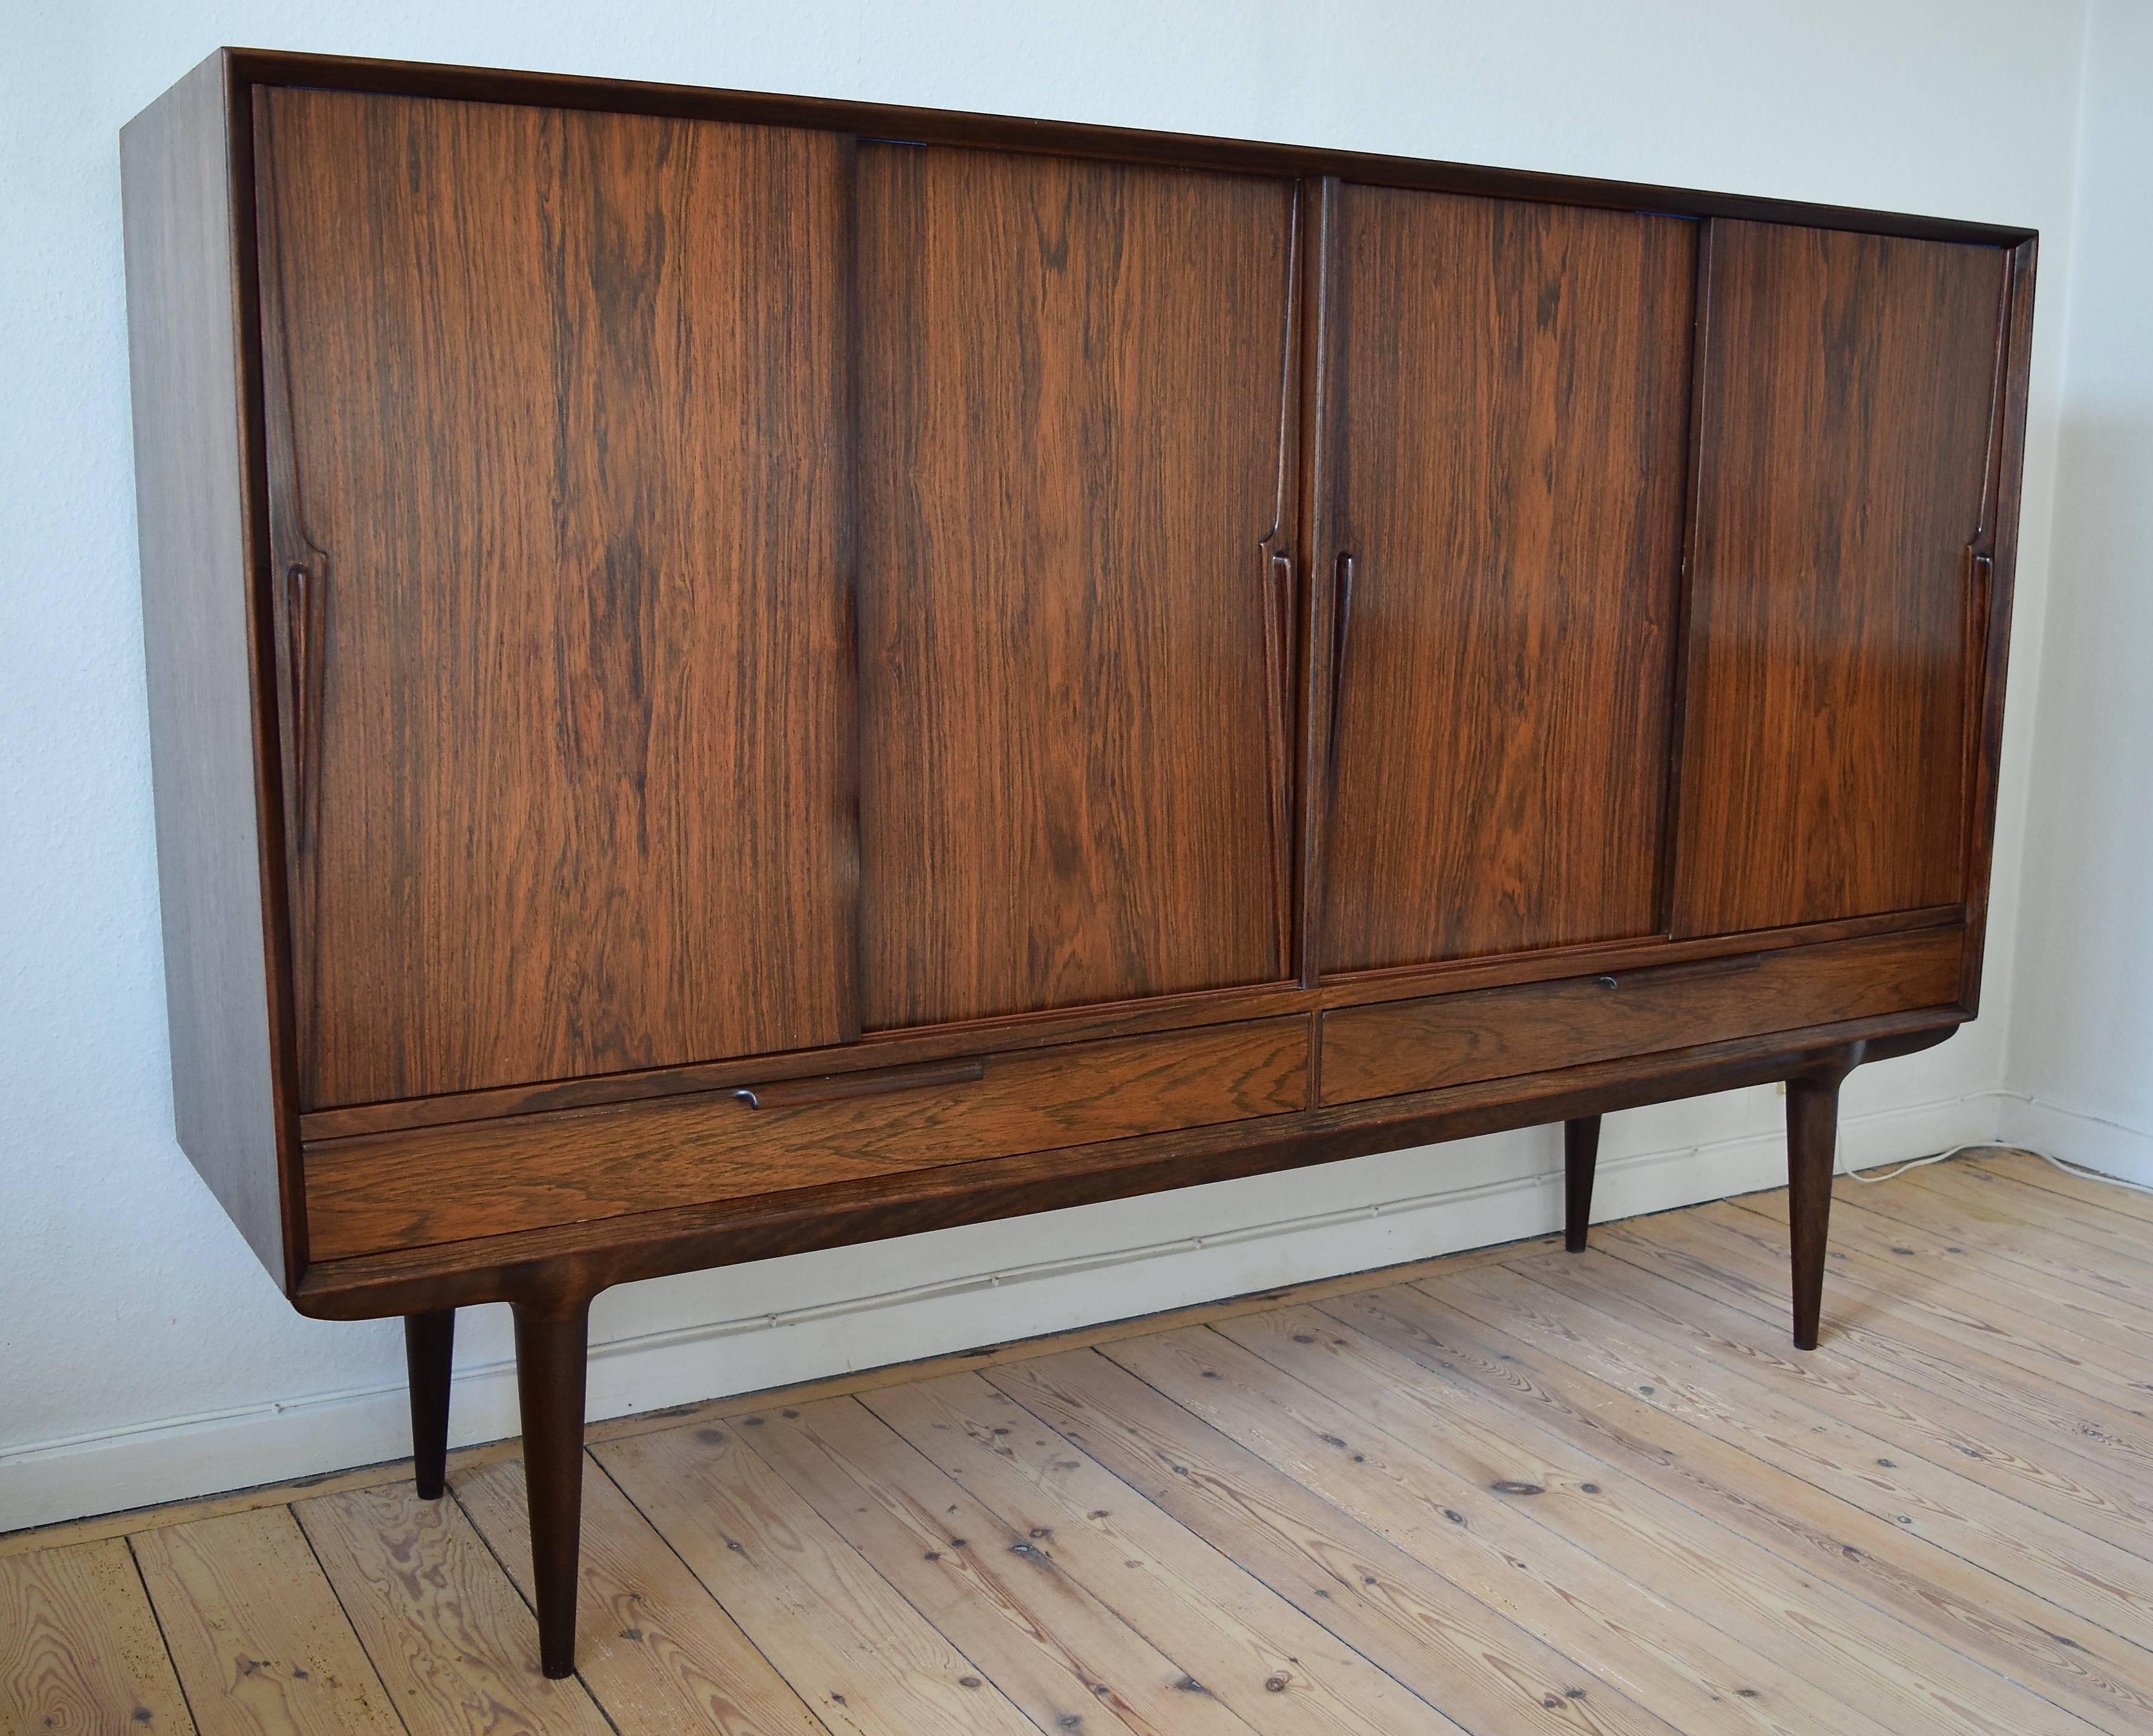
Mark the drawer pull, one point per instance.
(833, 1087)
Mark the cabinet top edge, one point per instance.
(246, 68)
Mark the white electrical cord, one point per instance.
(2083, 1174)
(1872, 1175)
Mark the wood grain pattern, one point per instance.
(1457, 1039)
(2032, 1466)
(2059, 1354)
(863, 1658)
(655, 1649)
(385, 1190)
(1317, 309)
(465, 1462)
(2102, 1676)
(568, 465)
(840, 1087)
(2058, 1357)
(1506, 464)
(873, 1053)
(1415, 1624)
(504, 730)
(454, 1644)
(1848, 405)
(665, 662)
(1334, 1433)
(1992, 646)
(598, 1253)
(1427, 1515)
(216, 839)
(79, 1648)
(1526, 1489)
(1066, 1660)
(1636, 1345)
(1523, 1494)
(1271, 1665)
(2023, 1194)
(2008, 1205)
(1741, 1269)
(259, 1640)
(1074, 138)
(2118, 1317)
(2095, 1191)
(1744, 1535)
(1070, 486)
(1218, 1006)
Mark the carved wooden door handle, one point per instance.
(305, 600)
(1277, 700)
(1342, 624)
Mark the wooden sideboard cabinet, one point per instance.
(732, 674)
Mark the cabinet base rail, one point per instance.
(551, 1306)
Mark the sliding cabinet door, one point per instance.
(1846, 437)
(1074, 638)
(559, 480)
(1504, 479)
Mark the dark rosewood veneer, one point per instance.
(732, 674)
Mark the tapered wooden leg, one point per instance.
(551, 1351)
(428, 1341)
(1580, 1157)
(1812, 1149)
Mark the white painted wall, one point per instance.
(2081, 1028)
(143, 1353)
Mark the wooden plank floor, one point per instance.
(1513, 1490)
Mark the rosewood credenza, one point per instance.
(733, 674)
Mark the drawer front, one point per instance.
(1377, 1052)
(411, 1187)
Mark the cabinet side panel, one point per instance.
(1994, 643)
(191, 513)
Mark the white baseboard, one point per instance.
(856, 1324)
(2078, 1136)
